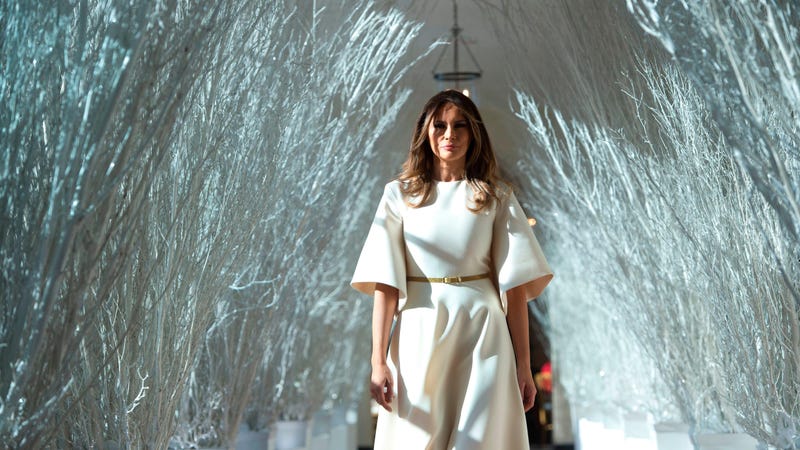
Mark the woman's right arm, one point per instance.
(383, 309)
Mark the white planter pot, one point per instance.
(290, 435)
(593, 435)
(252, 440)
(320, 442)
(589, 433)
(673, 436)
(638, 432)
(320, 431)
(343, 428)
(726, 441)
(638, 426)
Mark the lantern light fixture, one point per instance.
(457, 76)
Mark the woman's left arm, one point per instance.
(517, 320)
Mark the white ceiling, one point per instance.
(569, 54)
(437, 19)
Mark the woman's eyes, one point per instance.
(441, 126)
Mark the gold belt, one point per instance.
(450, 280)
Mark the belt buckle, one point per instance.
(451, 280)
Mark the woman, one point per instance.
(450, 256)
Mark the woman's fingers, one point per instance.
(387, 396)
(376, 392)
(527, 388)
(381, 388)
(388, 391)
(528, 392)
(383, 395)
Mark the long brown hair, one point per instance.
(480, 168)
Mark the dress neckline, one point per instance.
(448, 182)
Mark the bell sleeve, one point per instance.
(383, 258)
(516, 254)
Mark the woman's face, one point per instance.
(449, 135)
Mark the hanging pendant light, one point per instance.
(457, 79)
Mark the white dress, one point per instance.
(450, 352)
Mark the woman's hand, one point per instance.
(517, 319)
(527, 388)
(381, 386)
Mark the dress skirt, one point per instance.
(462, 391)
